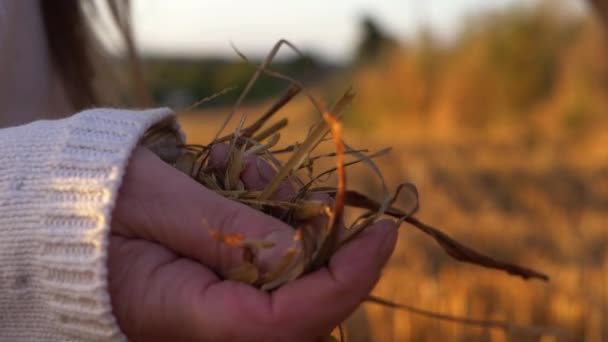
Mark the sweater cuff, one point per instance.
(85, 174)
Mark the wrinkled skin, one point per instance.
(163, 264)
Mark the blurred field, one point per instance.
(505, 133)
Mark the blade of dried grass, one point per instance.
(463, 253)
(235, 167)
(258, 244)
(269, 203)
(262, 148)
(292, 147)
(209, 98)
(368, 218)
(289, 94)
(319, 105)
(201, 160)
(254, 78)
(376, 154)
(376, 170)
(286, 149)
(336, 111)
(310, 162)
(250, 130)
(305, 210)
(283, 272)
(452, 247)
(295, 160)
(316, 135)
(236, 159)
(241, 194)
(272, 129)
(185, 163)
(344, 101)
(265, 153)
(395, 196)
(492, 324)
(209, 181)
(362, 222)
(306, 236)
(336, 133)
(333, 154)
(335, 216)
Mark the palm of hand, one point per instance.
(162, 267)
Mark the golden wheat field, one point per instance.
(544, 207)
(531, 190)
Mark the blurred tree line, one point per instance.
(179, 82)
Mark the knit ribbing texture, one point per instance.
(58, 185)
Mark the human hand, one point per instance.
(163, 265)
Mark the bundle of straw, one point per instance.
(315, 245)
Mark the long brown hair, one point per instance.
(77, 55)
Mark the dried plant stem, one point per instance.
(481, 323)
(209, 98)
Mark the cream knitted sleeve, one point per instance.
(58, 184)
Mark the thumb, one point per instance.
(158, 203)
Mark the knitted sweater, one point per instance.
(58, 185)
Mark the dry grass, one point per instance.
(529, 190)
(544, 207)
(313, 246)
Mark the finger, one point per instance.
(256, 174)
(308, 307)
(350, 276)
(158, 203)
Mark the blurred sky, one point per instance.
(328, 27)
